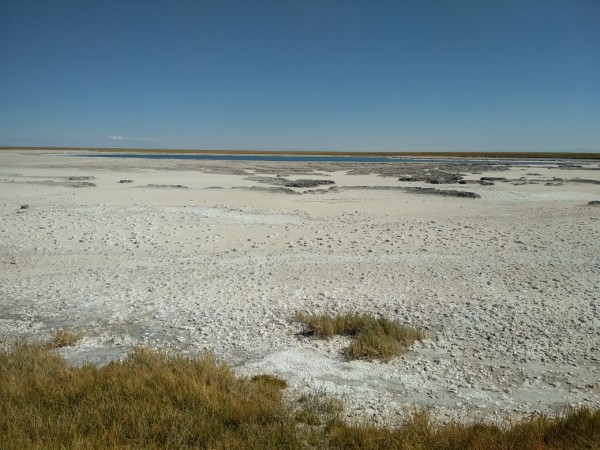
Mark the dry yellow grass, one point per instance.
(63, 338)
(152, 400)
(373, 337)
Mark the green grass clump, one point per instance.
(373, 337)
(152, 400)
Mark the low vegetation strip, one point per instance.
(373, 337)
(152, 400)
(499, 154)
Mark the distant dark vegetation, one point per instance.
(508, 155)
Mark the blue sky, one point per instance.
(339, 75)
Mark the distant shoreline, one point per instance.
(511, 155)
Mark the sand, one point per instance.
(199, 255)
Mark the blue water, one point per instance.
(308, 158)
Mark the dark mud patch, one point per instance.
(72, 184)
(443, 192)
(281, 181)
(167, 186)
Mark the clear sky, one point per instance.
(300, 74)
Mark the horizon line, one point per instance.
(581, 154)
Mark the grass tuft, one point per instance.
(373, 337)
(63, 338)
(270, 380)
(317, 409)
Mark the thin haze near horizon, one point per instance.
(314, 75)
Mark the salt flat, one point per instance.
(195, 255)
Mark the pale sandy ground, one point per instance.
(508, 285)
